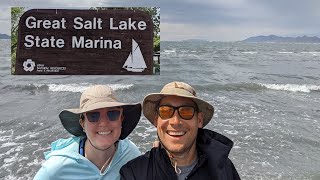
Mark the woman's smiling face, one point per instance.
(105, 131)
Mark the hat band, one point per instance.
(178, 92)
(89, 102)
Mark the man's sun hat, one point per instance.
(181, 89)
(97, 97)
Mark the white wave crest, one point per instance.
(285, 52)
(168, 51)
(120, 86)
(292, 87)
(67, 87)
(81, 87)
(314, 53)
(249, 52)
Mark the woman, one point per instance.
(99, 148)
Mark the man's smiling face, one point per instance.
(175, 133)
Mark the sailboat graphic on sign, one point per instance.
(135, 61)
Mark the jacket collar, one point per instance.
(70, 148)
(210, 139)
(211, 146)
(215, 147)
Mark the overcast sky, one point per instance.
(213, 20)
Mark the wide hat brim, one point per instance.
(151, 101)
(131, 112)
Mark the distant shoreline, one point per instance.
(258, 39)
(5, 36)
(207, 41)
(280, 39)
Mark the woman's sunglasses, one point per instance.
(113, 115)
(185, 112)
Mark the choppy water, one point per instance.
(267, 100)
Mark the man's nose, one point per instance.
(175, 118)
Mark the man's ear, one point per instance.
(155, 119)
(155, 122)
(200, 119)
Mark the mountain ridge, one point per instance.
(4, 36)
(276, 39)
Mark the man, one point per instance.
(186, 151)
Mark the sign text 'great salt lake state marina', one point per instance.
(84, 42)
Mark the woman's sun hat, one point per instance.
(181, 89)
(97, 97)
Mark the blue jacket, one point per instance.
(65, 162)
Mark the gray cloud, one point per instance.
(246, 18)
(6, 5)
(215, 19)
(281, 12)
(195, 13)
(132, 3)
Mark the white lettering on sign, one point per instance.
(43, 43)
(33, 23)
(128, 25)
(80, 24)
(81, 42)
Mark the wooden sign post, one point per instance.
(84, 42)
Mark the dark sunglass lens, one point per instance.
(166, 112)
(113, 115)
(186, 112)
(93, 116)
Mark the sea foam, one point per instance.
(80, 87)
(292, 87)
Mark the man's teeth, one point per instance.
(176, 133)
(104, 133)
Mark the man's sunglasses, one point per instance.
(113, 115)
(185, 112)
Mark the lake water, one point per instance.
(266, 96)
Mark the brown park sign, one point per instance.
(83, 42)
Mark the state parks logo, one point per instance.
(29, 65)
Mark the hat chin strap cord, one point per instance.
(174, 158)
